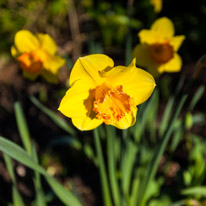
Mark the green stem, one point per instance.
(102, 170)
(111, 164)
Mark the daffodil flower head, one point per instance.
(158, 48)
(36, 55)
(101, 93)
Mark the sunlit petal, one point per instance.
(53, 63)
(47, 43)
(164, 27)
(14, 51)
(89, 67)
(77, 102)
(136, 82)
(177, 41)
(148, 36)
(174, 65)
(25, 41)
(86, 123)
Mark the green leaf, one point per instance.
(160, 148)
(198, 94)
(22, 127)
(102, 169)
(111, 136)
(9, 167)
(55, 118)
(40, 197)
(17, 199)
(16, 196)
(199, 190)
(20, 155)
(168, 110)
(128, 165)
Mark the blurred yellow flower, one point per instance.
(36, 55)
(100, 93)
(157, 4)
(158, 48)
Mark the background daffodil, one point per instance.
(36, 55)
(100, 93)
(157, 4)
(158, 48)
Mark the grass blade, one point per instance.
(40, 197)
(199, 190)
(16, 196)
(127, 166)
(153, 166)
(102, 169)
(198, 94)
(16, 152)
(112, 164)
(17, 199)
(9, 167)
(59, 121)
(22, 127)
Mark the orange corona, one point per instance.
(162, 53)
(32, 62)
(111, 104)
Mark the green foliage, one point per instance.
(112, 19)
(131, 163)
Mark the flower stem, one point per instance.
(111, 164)
(102, 170)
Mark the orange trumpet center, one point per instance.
(111, 104)
(162, 53)
(32, 61)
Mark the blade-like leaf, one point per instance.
(20, 155)
(199, 190)
(55, 118)
(9, 167)
(17, 199)
(22, 127)
(197, 95)
(40, 197)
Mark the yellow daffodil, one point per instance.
(157, 4)
(100, 93)
(158, 48)
(36, 55)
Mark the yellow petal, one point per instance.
(128, 120)
(177, 41)
(78, 101)
(88, 67)
(86, 123)
(47, 43)
(136, 82)
(157, 5)
(14, 51)
(174, 65)
(164, 27)
(53, 63)
(142, 54)
(25, 41)
(149, 36)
